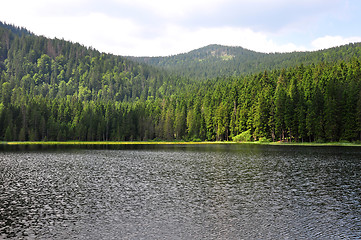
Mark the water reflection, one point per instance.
(180, 192)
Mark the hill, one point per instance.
(215, 60)
(16, 30)
(57, 68)
(52, 89)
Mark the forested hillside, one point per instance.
(216, 60)
(52, 89)
(16, 30)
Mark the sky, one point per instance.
(169, 27)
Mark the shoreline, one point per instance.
(178, 143)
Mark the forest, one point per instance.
(55, 90)
(219, 61)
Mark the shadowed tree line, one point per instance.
(51, 89)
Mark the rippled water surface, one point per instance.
(180, 192)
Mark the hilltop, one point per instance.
(217, 61)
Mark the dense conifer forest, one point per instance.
(51, 89)
(218, 61)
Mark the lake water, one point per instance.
(180, 192)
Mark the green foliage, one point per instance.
(221, 61)
(264, 140)
(56, 90)
(245, 136)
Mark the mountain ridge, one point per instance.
(218, 60)
(53, 89)
(15, 29)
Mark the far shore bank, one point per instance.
(177, 143)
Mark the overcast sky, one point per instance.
(167, 27)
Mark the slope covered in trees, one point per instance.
(16, 30)
(51, 89)
(215, 60)
(56, 68)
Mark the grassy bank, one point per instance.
(110, 143)
(179, 143)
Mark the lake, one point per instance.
(221, 191)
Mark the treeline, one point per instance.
(15, 30)
(51, 89)
(215, 60)
(308, 103)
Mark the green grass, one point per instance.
(109, 143)
(177, 143)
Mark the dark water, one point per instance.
(180, 192)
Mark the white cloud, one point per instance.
(184, 40)
(126, 37)
(332, 41)
(163, 27)
(172, 9)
